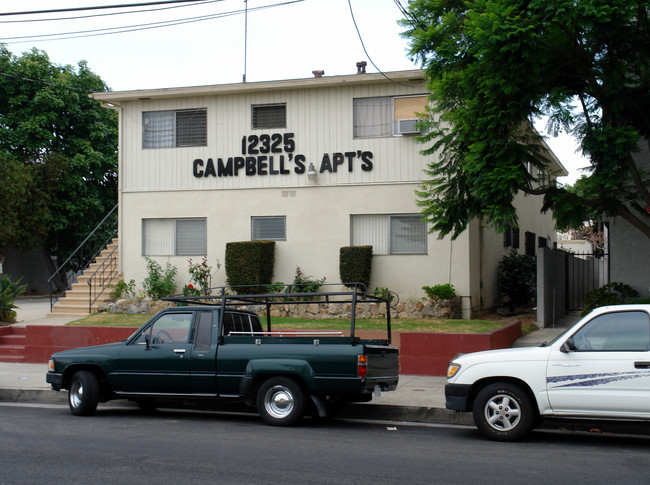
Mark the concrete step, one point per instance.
(14, 359)
(12, 339)
(67, 315)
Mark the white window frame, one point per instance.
(174, 237)
(379, 231)
(160, 129)
(258, 233)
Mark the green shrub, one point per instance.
(355, 264)
(610, 294)
(201, 275)
(383, 292)
(250, 263)
(159, 284)
(123, 290)
(440, 292)
(517, 278)
(9, 291)
(303, 283)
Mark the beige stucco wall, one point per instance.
(317, 224)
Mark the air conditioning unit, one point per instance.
(408, 127)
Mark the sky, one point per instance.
(277, 39)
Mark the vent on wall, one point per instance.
(408, 127)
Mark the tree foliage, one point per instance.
(58, 153)
(494, 66)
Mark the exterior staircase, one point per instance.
(12, 344)
(82, 297)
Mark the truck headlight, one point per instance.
(452, 370)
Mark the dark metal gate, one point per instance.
(584, 272)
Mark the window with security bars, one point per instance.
(270, 116)
(181, 128)
(511, 237)
(174, 237)
(389, 233)
(269, 228)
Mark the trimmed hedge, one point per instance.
(250, 263)
(355, 264)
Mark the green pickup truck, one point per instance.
(216, 348)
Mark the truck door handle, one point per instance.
(179, 351)
(642, 365)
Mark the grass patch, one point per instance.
(397, 324)
(113, 320)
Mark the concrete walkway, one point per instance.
(417, 398)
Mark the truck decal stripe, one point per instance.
(588, 380)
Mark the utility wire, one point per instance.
(370, 59)
(97, 7)
(131, 28)
(204, 2)
(22, 78)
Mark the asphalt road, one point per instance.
(46, 444)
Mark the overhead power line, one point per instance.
(354, 21)
(107, 14)
(131, 28)
(96, 7)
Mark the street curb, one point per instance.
(42, 396)
(385, 412)
(405, 413)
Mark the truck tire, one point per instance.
(83, 394)
(504, 412)
(281, 401)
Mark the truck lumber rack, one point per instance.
(237, 296)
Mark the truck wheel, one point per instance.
(504, 412)
(281, 401)
(83, 394)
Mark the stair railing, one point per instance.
(79, 260)
(101, 277)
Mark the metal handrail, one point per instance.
(54, 297)
(110, 264)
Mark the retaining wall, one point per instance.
(421, 353)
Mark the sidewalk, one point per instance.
(417, 398)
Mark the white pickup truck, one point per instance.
(597, 369)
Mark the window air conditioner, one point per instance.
(408, 127)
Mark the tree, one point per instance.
(493, 67)
(58, 151)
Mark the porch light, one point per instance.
(311, 172)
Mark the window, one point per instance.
(622, 331)
(204, 332)
(269, 228)
(511, 237)
(270, 116)
(529, 243)
(372, 117)
(385, 116)
(390, 233)
(166, 129)
(172, 328)
(174, 237)
(241, 322)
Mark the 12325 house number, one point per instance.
(268, 143)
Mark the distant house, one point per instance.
(629, 248)
(314, 164)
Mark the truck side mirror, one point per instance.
(147, 342)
